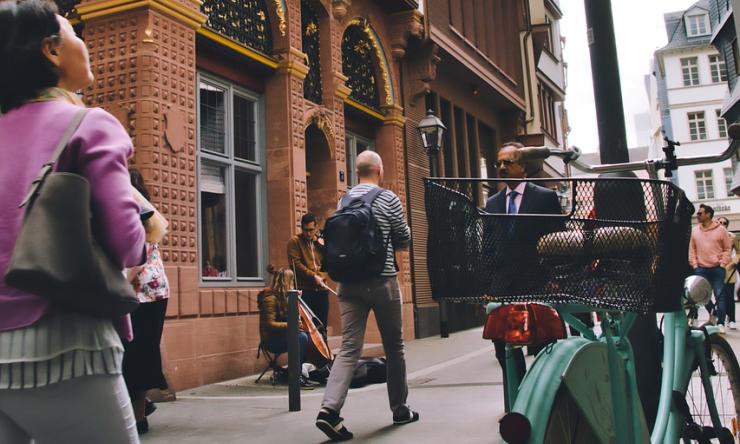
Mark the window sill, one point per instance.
(230, 283)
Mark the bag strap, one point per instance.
(368, 197)
(49, 166)
(371, 195)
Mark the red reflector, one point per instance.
(524, 324)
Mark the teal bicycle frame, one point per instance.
(582, 363)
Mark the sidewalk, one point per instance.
(454, 383)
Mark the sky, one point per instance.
(640, 30)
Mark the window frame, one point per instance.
(728, 180)
(721, 124)
(705, 180)
(718, 67)
(687, 69)
(350, 154)
(704, 20)
(701, 120)
(233, 164)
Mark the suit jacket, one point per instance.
(511, 242)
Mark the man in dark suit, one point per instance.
(515, 269)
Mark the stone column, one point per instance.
(143, 58)
(286, 159)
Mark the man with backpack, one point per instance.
(361, 238)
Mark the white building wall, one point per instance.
(706, 97)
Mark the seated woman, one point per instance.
(273, 305)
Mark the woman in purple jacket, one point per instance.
(60, 372)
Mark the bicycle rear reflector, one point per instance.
(524, 324)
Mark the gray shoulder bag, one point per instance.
(56, 255)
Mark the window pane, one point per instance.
(729, 173)
(704, 185)
(247, 211)
(697, 126)
(690, 68)
(212, 182)
(244, 140)
(349, 154)
(721, 124)
(212, 118)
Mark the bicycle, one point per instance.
(623, 252)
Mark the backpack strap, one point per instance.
(368, 197)
(371, 195)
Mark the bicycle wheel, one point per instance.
(725, 388)
(567, 425)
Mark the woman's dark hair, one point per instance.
(137, 180)
(25, 71)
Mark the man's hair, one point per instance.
(513, 143)
(707, 209)
(25, 71)
(307, 219)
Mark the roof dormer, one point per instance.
(697, 22)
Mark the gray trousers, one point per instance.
(83, 410)
(382, 295)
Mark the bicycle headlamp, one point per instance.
(698, 290)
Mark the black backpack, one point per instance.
(369, 371)
(355, 248)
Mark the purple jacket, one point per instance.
(98, 151)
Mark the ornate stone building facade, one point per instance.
(246, 115)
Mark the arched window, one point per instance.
(358, 64)
(244, 21)
(310, 34)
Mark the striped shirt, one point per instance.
(59, 347)
(389, 216)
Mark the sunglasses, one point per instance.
(724, 223)
(505, 162)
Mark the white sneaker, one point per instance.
(731, 325)
(721, 329)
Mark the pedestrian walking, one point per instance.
(60, 372)
(305, 254)
(379, 293)
(726, 303)
(142, 360)
(709, 251)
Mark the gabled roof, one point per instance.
(676, 29)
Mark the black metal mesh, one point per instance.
(359, 67)
(311, 47)
(245, 22)
(619, 244)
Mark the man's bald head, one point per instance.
(369, 164)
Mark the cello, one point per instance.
(317, 352)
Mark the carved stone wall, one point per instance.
(145, 61)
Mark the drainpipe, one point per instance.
(530, 93)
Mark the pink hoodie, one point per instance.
(709, 247)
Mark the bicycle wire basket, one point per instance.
(618, 244)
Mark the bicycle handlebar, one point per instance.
(570, 157)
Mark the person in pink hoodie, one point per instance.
(709, 250)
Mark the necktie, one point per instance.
(512, 203)
(512, 210)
